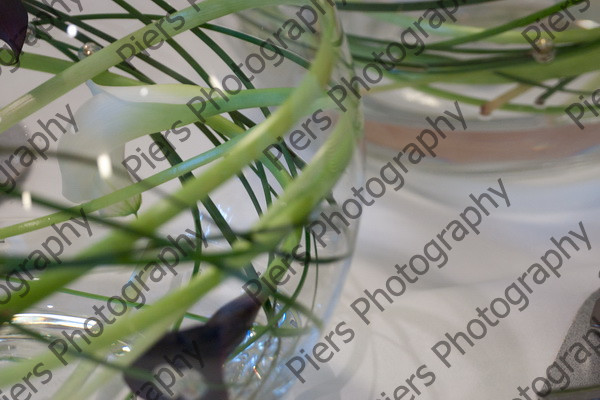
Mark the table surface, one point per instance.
(398, 341)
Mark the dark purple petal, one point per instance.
(204, 348)
(13, 25)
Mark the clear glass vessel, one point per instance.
(523, 74)
(106, 251)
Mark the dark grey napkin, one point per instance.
(583, 371)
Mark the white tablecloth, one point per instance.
(398, 341)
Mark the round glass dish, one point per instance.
(521, 75)
(107, 253)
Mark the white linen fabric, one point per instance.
(398, 341)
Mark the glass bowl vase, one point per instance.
(167, 173)
(520, 75)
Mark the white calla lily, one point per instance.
(117, 115)
(90, 160)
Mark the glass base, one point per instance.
(255, 373)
